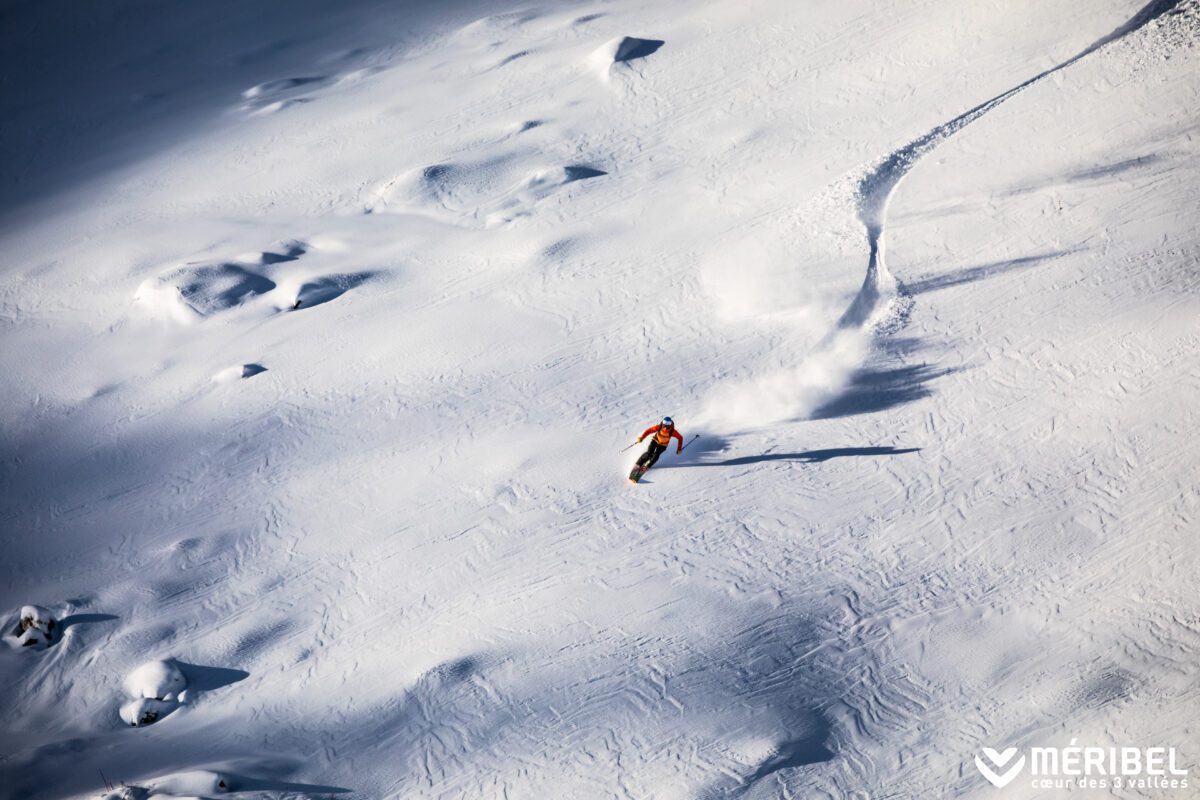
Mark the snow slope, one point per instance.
(317, 374)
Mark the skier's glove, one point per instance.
(678, 450)
(639, 441)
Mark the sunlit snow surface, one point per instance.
(324, 326)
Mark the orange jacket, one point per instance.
(662, 435)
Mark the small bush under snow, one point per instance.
(126, 793)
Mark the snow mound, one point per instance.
(449, 187)
(486, 193)
(198, 290)
(161, 680)
(284, 252)
(317, 291)
(535, 187)
(272, 96)
(356, 75)
(193, 783)
(491, 62)
(278, 87)
(36, 627)
(238, 372)
(495, 26)
(622, 50)
(162, 299)
(199, 783)
(195, 291)
(277, 105)
(158, 688)
(214, 781)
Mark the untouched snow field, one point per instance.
(323, 326)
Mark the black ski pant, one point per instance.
(651, 455)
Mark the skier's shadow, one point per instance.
(806, 457)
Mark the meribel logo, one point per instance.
(999, 760)
(1075, 767)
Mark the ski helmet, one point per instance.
(670, 423)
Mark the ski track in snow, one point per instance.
(876, 188)
(882, 304)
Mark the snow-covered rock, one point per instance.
(146, 711)
(161, 680)
(36, 627)
(157, 689)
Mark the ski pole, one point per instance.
(623, 449)
(689, 441)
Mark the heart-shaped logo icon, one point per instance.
(995, 771)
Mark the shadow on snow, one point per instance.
(808, 456)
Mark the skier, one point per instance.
(663, 432)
